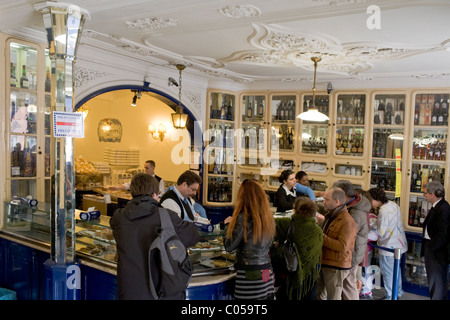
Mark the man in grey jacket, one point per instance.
(358, 207)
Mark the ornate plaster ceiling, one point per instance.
(268, 41)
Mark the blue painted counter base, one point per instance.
(25, 270)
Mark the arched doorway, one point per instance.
(153, 107)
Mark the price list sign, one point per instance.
(68, 124)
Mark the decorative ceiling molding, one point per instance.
(340, 2)
(84, 75)
(147, 24)
(242, 11)
(282, 47)
(431, 75)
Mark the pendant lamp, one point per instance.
(313, 114)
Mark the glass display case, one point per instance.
(252, 123)
(29, 125)
(315, 135)
(350, 125)
(282, 120)
(208, 256)
(388, 140)
(219, 153)
(30, 221)
(95, 239)
(428, 157)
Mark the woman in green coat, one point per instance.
(308, 238)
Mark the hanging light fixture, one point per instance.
(137, 95)
(179, 118)
(313, 114)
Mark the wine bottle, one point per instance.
(434, 114)
(339, 113)
(48, 82)
(13, 80)
(249, 110)
(444, 110)
(261, 109)
(24, 79)
(350, 114)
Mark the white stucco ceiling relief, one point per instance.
(291, 48)
(259, 44)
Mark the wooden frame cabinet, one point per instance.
(371, 140)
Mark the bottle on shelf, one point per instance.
(444, 109)
(249, 111)
(417, 110)
(350, 114)
(343, 114)
(13, 79)
(388, 114)
(261, 108)
(339, 112)
(48, 82)
(24, 78)
(223, 111)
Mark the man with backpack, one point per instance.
(141, 244)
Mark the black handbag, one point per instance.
(289, 252)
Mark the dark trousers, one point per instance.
(436, 275)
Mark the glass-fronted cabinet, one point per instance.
(318, 174)
(350, 136)
(428, 152)
(219, 153)
(388, 136)
(28, 128)
(282, 122)
(315, 135)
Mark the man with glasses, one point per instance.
(178, 197)
(436, 238)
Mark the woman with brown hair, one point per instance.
(250, 231)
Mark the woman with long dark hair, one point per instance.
(250, 231)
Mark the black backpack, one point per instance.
(174, 265)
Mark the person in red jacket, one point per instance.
(339, 234)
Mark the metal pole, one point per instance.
(63, 23)
(396, 275)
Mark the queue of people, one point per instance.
(331, 249)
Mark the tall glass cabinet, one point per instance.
(28, 126)
(219, 152)
(428, 152)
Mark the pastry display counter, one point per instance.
(28, 228)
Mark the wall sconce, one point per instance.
(157, 133)
(84, 109)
